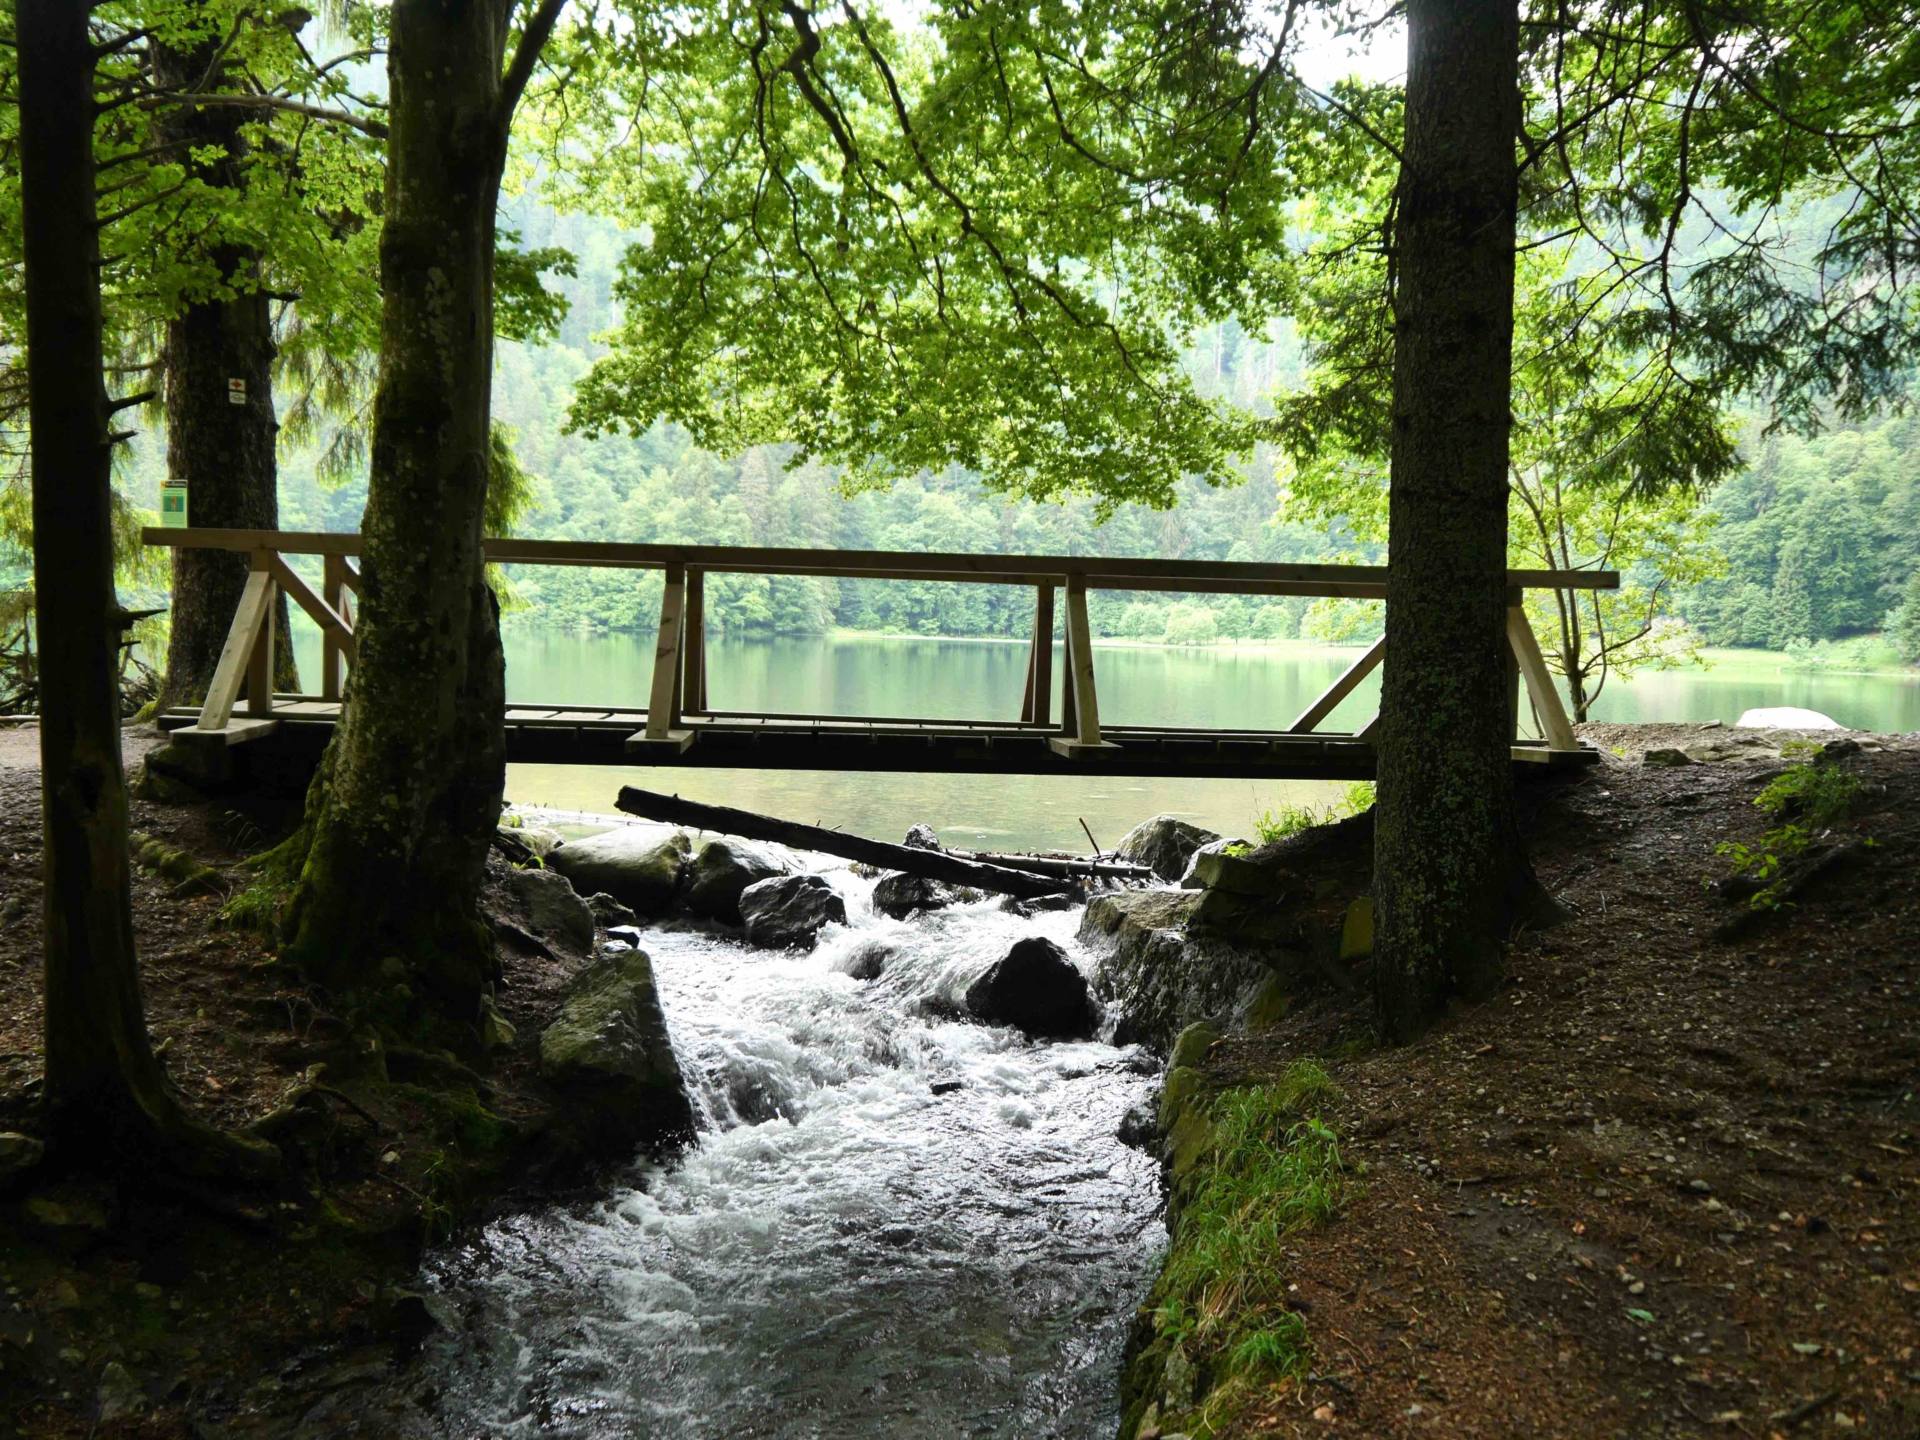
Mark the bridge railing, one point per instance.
(678, 691)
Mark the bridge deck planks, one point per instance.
(596, 735)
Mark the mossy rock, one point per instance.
(1240, 872)
(1190, 1049)
(1271, 1004)
(609, 1046)
(1164, 845)
(721, 871)
(1356, 930)
(635, 867)
(1183, 1082)
(1122, 911)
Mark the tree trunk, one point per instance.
(408, 794)
(1448, 864)
(105, 1093)
(224, 450)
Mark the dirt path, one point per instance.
(1663, 1184)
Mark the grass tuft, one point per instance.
(1289, 820)
(1272, 1168)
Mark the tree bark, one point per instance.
(225, 451)
(1449, 869)
(407, 796)
(105, 1093)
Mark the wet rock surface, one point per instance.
(788, 912)
(610, 1042)
(552, 907)
(900, 895)
(720, 871)
(633, 865)
(1164, 845)
(1037, 990)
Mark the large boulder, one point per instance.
(609, 1045)
(552, 907)
(922, 837)
(1226, 865)
(1164, 845)
(542, 840)
(609, 912)
(634, 866)
(788, 912)
(900, 895)
(1036, 989)
(720, 871)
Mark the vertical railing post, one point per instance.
(333, 654)
(1080, 720)
(663, 700)
(693, 674)
(1036, 707)
(260, 658)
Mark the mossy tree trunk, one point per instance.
(224, 450)
(405, 802)
(106, 1096)
(1449, 868)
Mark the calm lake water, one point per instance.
(969, 679)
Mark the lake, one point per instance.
(1218, 686)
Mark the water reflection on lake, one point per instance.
(964, 679)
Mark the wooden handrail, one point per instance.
(1100, 572)
(679, 684)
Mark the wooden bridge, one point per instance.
(678, 726)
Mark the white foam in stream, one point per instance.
(845, 1253)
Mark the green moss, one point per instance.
(1252, 1166)
(1192, 1046)
(1270, 1005)
(257, 907)
(460, 1117)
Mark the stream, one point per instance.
(894, 1223)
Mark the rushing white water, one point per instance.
(846, 1253)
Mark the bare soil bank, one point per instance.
(1667, 1182)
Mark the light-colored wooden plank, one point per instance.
(1540, 687)
(1097, 571)
(1036, 706)
(1348, 682)
(234, 732)
(322, 614)
(260, 658)
(693, 656)
(663, 711)
(230, 673)
(1081, 728)
(333, 647)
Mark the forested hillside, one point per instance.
(1820, 537)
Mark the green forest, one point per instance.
(1810, 548)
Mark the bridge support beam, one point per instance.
(663, 700)
(1552, 715)
(336, 647)
(1348, 682)
(1080, 717)
(1036, 707)
(693, 655)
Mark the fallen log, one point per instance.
(1060, 865)
(928, 864)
